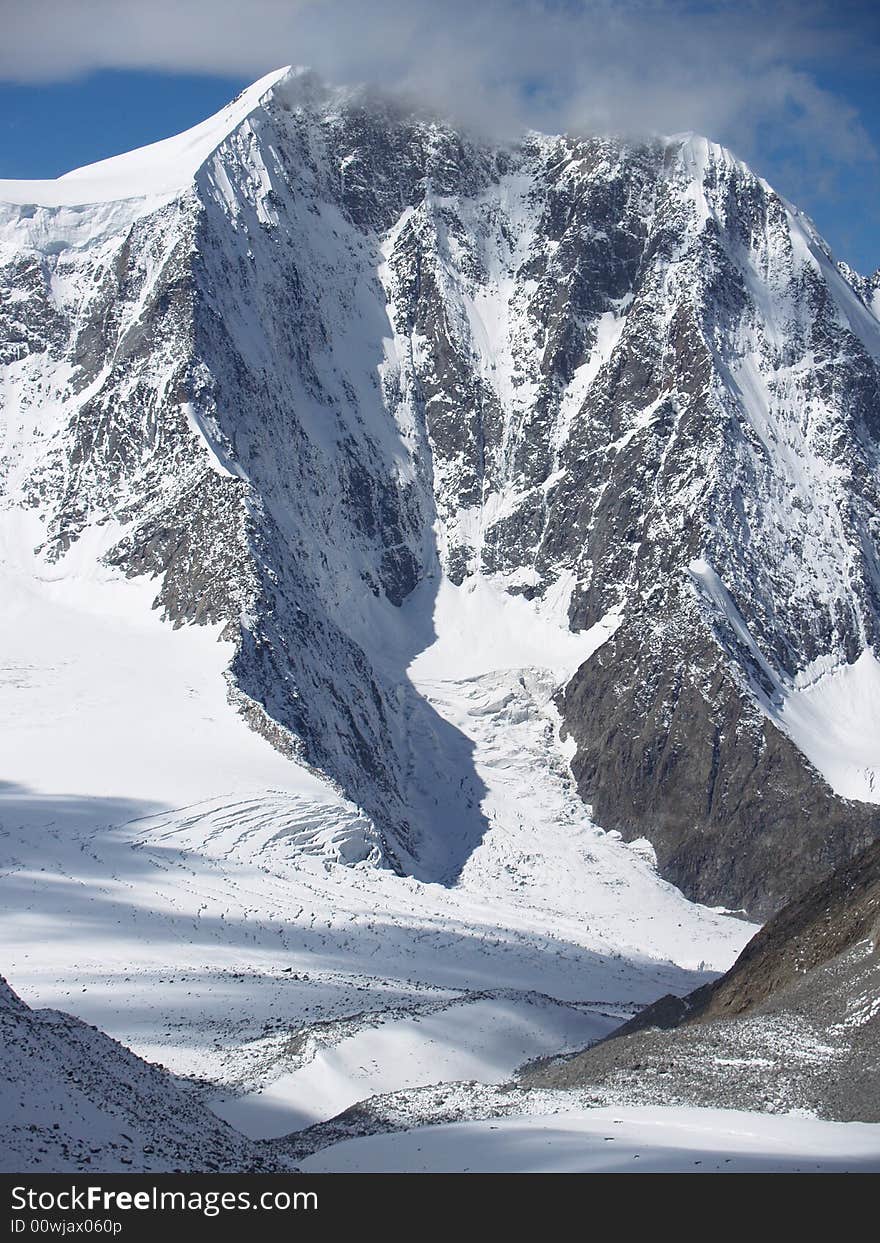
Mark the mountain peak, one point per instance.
(157, 170)
(162, 169)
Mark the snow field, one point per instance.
(172, 879)
(615, 1140)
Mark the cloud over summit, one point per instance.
(757, 77)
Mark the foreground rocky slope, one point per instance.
(327, 355)
(72, 1099)
(795, 1023)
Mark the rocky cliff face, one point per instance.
(354, 351)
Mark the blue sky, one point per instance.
(794, 88)
(48, 128)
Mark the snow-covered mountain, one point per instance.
(393, 405)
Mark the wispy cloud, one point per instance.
(749, 74)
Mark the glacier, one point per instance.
(438, 577)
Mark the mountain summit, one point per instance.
(352, 384)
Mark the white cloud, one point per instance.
(742, 72)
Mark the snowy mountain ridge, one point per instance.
(329, 370)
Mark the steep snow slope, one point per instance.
(834, 717)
